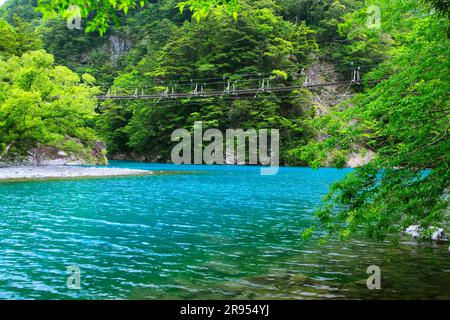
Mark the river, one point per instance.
(204, 232)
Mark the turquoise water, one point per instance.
(206, 232)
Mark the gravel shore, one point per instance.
(63, 172)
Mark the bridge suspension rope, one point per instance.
(198, 89)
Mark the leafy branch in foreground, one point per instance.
(405, 120)
(101, 13)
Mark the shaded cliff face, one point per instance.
(324, 99)
(117, 45)
(87, 52)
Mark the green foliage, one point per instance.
(8, 41)
(405, 120)
(24, 9)
(323, 15)
(78, 50)
(402, 115)
(441, 5)
(363, 46)
(101, 14)
(202, 8)
(43, 103)
(259, 42)
(17, 38)
(140, 35)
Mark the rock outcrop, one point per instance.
(324, 99)
(117, 46)
(89, 153)
(358, 159)
(437, 234)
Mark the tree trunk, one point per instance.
(5, 152)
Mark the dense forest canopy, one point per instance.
(405, 119)
(101, 13)
(40, 103)
(260, 41)
(400, 114)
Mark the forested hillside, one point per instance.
(399, 115)
(158, 47)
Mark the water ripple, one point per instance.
(228, 233)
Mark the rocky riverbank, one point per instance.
(64, 172)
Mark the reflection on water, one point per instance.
(228, 233)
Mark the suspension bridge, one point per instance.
(245, 88)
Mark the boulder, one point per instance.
(413, 231)
(437, 234)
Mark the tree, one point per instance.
(322, 15)
(8, 41)
(24, 9)
(405, 120)
(27, 39)
(441, 5)
(259, 42)
(18, 38)
(44, 104)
